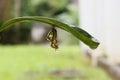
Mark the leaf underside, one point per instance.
(81, 34)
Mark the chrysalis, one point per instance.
(52, 37)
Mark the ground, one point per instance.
(28, 62)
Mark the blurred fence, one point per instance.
(101, 18)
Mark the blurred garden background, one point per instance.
(25, 54)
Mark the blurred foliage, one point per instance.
(49, 8)
(25, 7)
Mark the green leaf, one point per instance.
(77, 32)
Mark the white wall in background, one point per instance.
(101, 18)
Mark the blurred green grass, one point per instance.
(16, 62)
